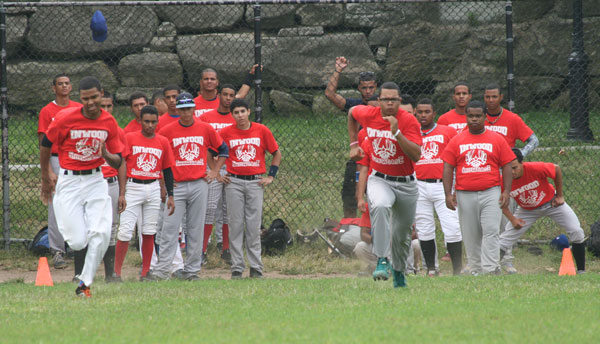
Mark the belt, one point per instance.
(142, 181)
(401, 179)
(54, 154)
(429, 180)
(111, 179)
(81, 172)
(243, 177)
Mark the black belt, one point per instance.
(142, 181)
(401, 179)
(429, 180)
(243, 177)
(111, 179)
(54, 154)
(82, 172)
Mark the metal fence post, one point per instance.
(510, 65)
(258, 71)
(3, 100)
(578, 61)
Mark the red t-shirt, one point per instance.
(108, 171)
(453, 119)
(362, 135)
(533, 189)
(510, 126)
(146, 157)
(135, 126)
(190, 146)
(203, 105)
(79, 138)
(247, 148)
(431, 166)
(386, 155)
(47, 114)
(165, 120)
(217, 120)
(478, 159)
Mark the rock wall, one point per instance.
(425, 47)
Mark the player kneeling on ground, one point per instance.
(536, 197)
(245, 184)
(146, 154)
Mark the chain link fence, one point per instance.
(424, 46)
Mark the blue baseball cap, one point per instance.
(98, 26)
(185, 100)
(560, 242)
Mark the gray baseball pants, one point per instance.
(244, 208)
(113, 192)
(216, 191)
(508, 256)
(56, 240)
(392, 205)
(563, 215)
(479, 215)
(190, 199)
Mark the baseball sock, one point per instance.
(109, 261)
(120, 253)
(225, 236)
(579, 255)
(79, 260)
(428, 248)
(147, 249)
(207, 233)
(502, 253)
(455, 251)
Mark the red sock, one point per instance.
(120, 253)
(225, 236)
(147, 250)
(207, 233)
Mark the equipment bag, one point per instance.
(593, 243)
(40, 244)
(276, 239)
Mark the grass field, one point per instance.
(499, 309)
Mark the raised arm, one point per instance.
(331, 91)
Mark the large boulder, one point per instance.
(321, 14)
(531, 9)
(473, 12)
(30, 83)
(65, 31)
(322, 105)
(152, 69)
(199, 18)
(309, 61)
(535, 92)
(273, 16)
(16, 26)
(231, 55)
(377, 14)
(284, 104)
(123, 93)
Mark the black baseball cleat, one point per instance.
(226, 256)
(255, 273)
(204, 259)
(235, 275)
(83, 291)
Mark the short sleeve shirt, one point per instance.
(453, 119)
(165, 120)
(533, 188)
(431, 166)
(190, 146)
(510, 126)
(217, 120)
(79, 139)
(203, 105)
(247, 148)
(107, 170)
(386, 155)
(478, 159)
(147, 157)
(47, 114)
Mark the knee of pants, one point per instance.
(149, 228)
(77, 244)
(577, 236)
(426, 233)
(125, 233)
(452, 238)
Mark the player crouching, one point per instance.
(536, 197)
(146, 154)
(245, 184)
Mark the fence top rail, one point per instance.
(200, 2)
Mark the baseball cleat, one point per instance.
(255, 273)
(59, 260)
(83, 291)
(226, 256)
(113, 279)
(509, 268)
(236, 275)
(399, 279)
(204, 259)
(382, 271)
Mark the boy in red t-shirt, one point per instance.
(248, 142)
(536, 197)
(456, 117)
(478, 155)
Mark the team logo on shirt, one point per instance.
(199, 112)
(531, 198)
(189, 151)
(459, 127)
(147, 162)
(87, 149)
(385, 150)
(476, 161)
(245, 153)
(429, 150)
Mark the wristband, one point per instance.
(273, 171)
(353, 143)
(249, 80)
(397, 132)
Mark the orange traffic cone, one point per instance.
(566, 265)
(43, 277)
